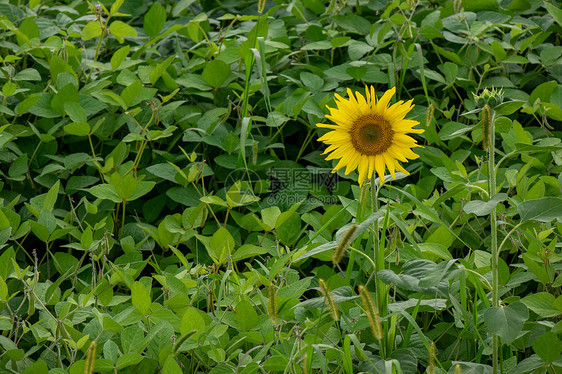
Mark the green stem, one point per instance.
(494, 234)
(381, 299)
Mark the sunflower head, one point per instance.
(368, 135)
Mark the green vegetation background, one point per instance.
(162, 193)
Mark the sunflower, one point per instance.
(369, 135)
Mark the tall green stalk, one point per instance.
(489, 119)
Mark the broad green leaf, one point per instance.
(541, 303)
(171, 366)
(215, 73)
(506, 321)
(120, 30)
(75, 111)
(51, 197)
(222, 244)
(246, 315)
(548, 347)
(128, 359)
(119, 56)
(545, 209)
(57, 65)
(131, 92)
(192, 321)
(555, 12)
(246, 251)
(91, 30)
(154, 20)
(483, 208)
(140, 297)
(106, 191)
(78, 129)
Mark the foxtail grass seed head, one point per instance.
(429, 114)
(330, 303)
(458, 369)
(372, 312)
(305, 364)
(457, 6)
(261, 6)
(344, 243)
(272, 309)
(431, 359)
(90, 358)
(254, 153)
(486, 126)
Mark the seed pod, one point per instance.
(344, 243)
(371, 311)
(330, 303)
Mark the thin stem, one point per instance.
(494, 233)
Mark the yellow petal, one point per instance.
(363, 166)
(389, 164)
(385, 99)
(379, 165)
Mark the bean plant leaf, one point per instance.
(545, 209)
(506, 321)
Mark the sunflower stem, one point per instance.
(381, 297)
(361, 209)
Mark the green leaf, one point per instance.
(39, 367)
(142, 189)
(507, 321)
(119, 56)
(246, 251)
(140, 297)
(106, 191)
(246, 315)
(192, 321)
(171, 366)
(215, 73)
(57, 65)
(154, 20)
(555, 12)
(78, 129)
(18, 168)
(548, 347)
(483, 208)
(91, 30)
(221, 245)
(128, 359)
(120, 30)
(545, 209)
(541, 303)
(75, 111)
(131, 92)
(160, 69)
(115, 6)
(51, 197)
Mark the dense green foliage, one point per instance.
(163, 195)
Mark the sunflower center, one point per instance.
(371, 134)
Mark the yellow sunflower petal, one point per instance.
(388, 160)
(379, 166)
(369, 136)
(385, 99)
(363, 167)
